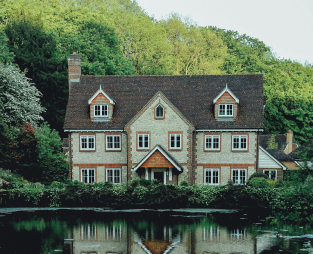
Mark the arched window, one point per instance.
(159, 112)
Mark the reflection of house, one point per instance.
(199, 129)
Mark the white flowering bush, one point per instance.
(19, 98)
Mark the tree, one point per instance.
(271, 143)
(5, 55)
(19, 98)
(51, 162)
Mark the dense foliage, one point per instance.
(293, 201)
(116, 37)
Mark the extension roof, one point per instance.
(192, 95)
(297, 153)
(279, 155)
(280, 139)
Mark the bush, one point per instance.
(259, 182)
(258, 174)
(184, 183)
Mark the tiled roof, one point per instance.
(279, 155)
(191, 95)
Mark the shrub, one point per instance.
(259, 182)
(184, 183)
(258, 174)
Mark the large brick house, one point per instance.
(199, 129)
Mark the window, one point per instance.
(175, 141)
(143, 141)
(113, 142)
(88, 231)
(272, 173)
(239, 176)
(101, 110)
(211, 176)
(240, 142)
(88, 175)
(159, 111)
(114, 175)
(225, 110)
(87, 142)
(212, 142)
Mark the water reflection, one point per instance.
(92, 233)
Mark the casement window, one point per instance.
(88, 232)
(212, 142)
(226, 110)
(175, 141)
(87, 142)
(113, 142)
(239, 176)
(113, 175)
(240, 142)
(159, 111)
(101, 110)
(212, 176)
(143, 141)
(88, 175)
(272, 173)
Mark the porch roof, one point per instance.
(165, 153)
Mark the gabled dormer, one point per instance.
(101, 106)
(226, 105)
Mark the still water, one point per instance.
(102, 232)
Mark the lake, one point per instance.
(99, 231)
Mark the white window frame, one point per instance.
(114, 142)
(275, 170)
(175, 135)
(103, 108)
(89, 138)
(89, 176)
(239, 170)
(210, 178)
(226, 109)
(210, 138)
(114, 177)
(88, 232)
(143, 136)
(241, 138)
(156, 111)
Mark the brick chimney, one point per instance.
(74, 68)
(289, 142)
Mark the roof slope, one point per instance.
(280, 139)
(191, 95)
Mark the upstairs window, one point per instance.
(225, 110)
(101, 110)
(212, 142)
(240, 143)
(175, 141)
(159, 111)
(87, 142)
(143, 141)
(113, 142)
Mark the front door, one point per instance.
(159, 176)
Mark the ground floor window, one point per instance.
(272, 173)
(88, 175)
(211, 176)
(239, 176)
(113, 175)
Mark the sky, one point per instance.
(284, 25)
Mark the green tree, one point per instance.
(51, 162)
(271, 143)
(5, 55)
(36, 52)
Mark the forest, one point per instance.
(117, 37)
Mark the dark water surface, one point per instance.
(102, 232)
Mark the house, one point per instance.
(199, 129)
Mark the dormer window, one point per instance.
(226, 110)
(159, 111)
(101, 110)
